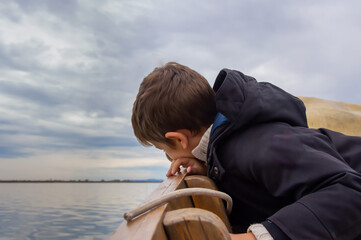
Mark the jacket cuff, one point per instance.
(297, 220)
(260, 232)
(275, 231)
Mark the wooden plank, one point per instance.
(212, 204)
(149, 226)
(194, 223)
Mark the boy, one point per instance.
(286, 181)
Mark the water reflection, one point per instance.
(66, 210)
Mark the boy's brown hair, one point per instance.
(172, 97)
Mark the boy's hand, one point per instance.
(193, 166)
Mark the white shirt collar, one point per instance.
(200, 151)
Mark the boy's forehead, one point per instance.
(159, 146)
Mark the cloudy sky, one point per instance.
(70, 70)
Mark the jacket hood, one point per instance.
(245, 102)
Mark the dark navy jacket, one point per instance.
(301, 183)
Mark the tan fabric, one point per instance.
(200, 151)
(337, 116)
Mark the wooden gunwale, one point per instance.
(151, 225)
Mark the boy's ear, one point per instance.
(181, 136)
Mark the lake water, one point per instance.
(66, 210)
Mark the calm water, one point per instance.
(66, 210)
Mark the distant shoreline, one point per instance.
(82, 181)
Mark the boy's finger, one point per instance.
(169, 173)
(176, 165)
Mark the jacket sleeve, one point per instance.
(326, 191)
(348, 146)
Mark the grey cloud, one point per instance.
(13, 152)
(68, 140)
(30, 93)
(54, 140)
(21, 56)
(10, 12)
(64, 9)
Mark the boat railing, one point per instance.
(199, 216)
